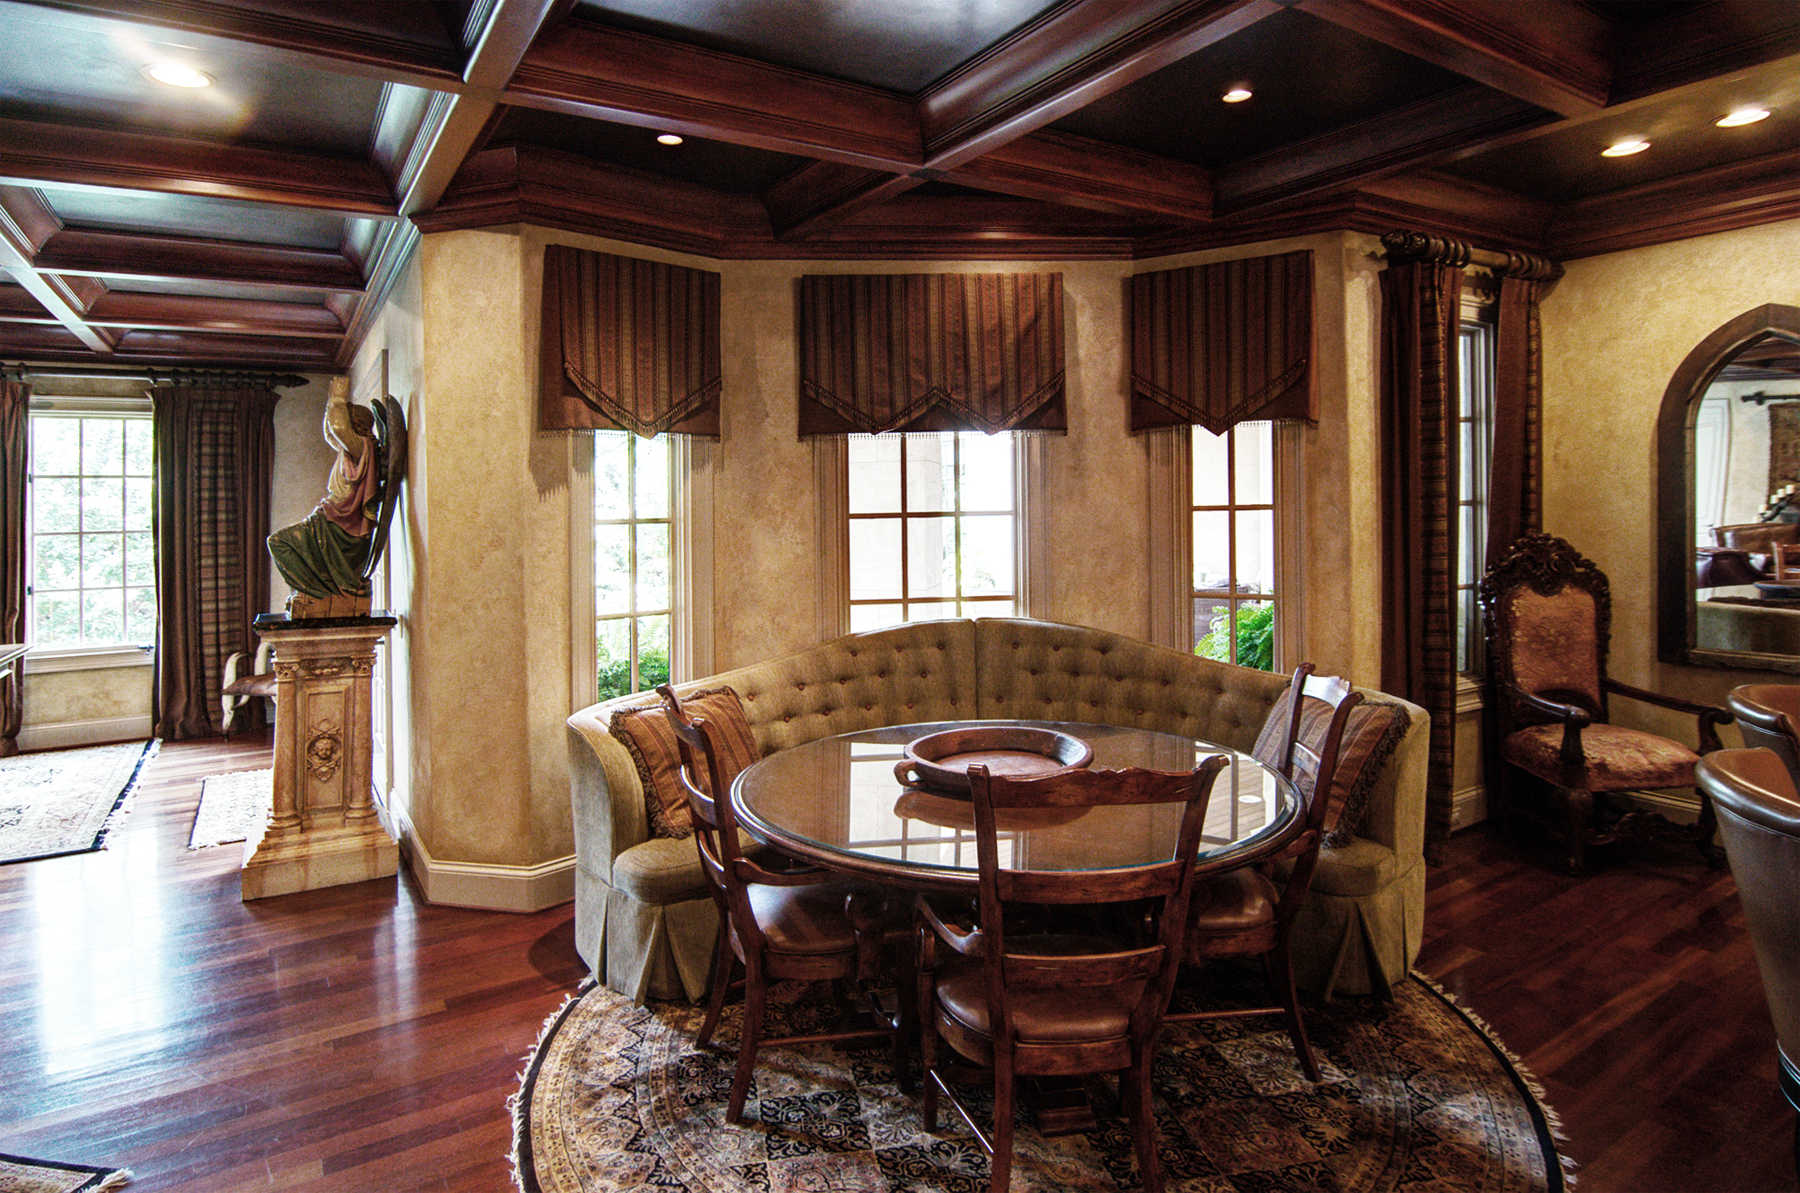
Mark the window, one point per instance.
(92, 548)
(634, 500)
(1234, 551)
(933, 527)
(1474, 415)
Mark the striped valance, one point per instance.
(931, 352)
(1216, 345)
(628, 345)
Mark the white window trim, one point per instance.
(690, 552)
(1169, 470)
(1031, 529)
(47, 660)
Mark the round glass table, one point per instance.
(836, 802)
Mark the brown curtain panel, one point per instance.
(215, 452)
(1216, 345)
(1419, 385)
(15, 412)
(628, 345)
(1515, 484)
(931, 352)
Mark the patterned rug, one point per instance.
(20, 1175)
(64, 801)
(232, 806)
(1417, 1096)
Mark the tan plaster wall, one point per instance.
(1615, 328)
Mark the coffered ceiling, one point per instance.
(260, 220)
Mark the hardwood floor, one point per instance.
(1632, 994)
(354, 1038)
(360, 1039)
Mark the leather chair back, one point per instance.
(1759, 821)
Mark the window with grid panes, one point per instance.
(92, 548)
(932, 527)
(633, 568)
(1234, 593)
(1474, 416)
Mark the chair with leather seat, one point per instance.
(1768, 715)
(781, 924)
(1019, 997)
(1759, 822)
(1549, 616)
(1240, 912)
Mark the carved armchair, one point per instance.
(1548, 615)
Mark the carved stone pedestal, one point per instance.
(325, 830)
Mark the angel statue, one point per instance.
(328, 557)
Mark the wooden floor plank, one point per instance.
(358, 1038)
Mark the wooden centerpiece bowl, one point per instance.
(940, 762)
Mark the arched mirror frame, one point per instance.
(1675, 489)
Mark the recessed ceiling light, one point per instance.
(668, 139)
(178, 74)
(1742, 116)
(1236, 95)
(1625, 147)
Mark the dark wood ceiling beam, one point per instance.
(821, 193)
(205, 348)
(1741, 195)
(177, 258)
(1556, 54)
(609, 74)
(285, 28)
(1076, 54)
(1407, 138)
(124, 310)
(33, 153)
(1705, 42)
(24, 220)
(1059, 168)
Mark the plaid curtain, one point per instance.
(1516, 479)
(1419, 386)
(15, 403)
(215, 451)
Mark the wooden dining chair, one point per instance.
(800, 924)
(1063, 1001)
(1240, 912)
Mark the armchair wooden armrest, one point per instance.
(969, 943)
(1708, 715)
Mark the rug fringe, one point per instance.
(515, 1105)
(113, 1180)
(126, 799)
(1552, 1120)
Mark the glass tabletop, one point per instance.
(837, 802)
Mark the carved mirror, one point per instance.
(1728, 497)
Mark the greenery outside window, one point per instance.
(633, 526)
(1234, 545)
(92, 547)
(933, 527)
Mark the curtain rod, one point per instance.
(1406, 248)
(156, 376)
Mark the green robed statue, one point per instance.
(329, 556)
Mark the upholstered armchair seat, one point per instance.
(1615, 758)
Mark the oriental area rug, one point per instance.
(64, 801)
(1417, 1096)
(232, 807)
(20, 1175)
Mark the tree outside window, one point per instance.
(1234, 589)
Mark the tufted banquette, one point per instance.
(644, 921)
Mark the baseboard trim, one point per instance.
(61, 735)
(1468, 806)
(484, 885)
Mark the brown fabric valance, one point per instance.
(628, 345)
(1219, 344)
(931, 352)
